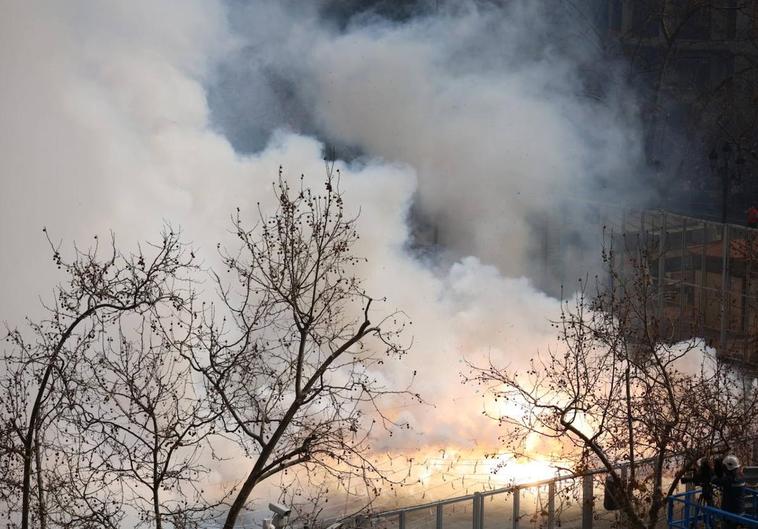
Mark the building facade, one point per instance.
(704, 275)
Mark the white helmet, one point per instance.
(731, 462)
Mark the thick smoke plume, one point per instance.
(476, 119)
(510, 113)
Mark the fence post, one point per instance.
(401, 520)
(686, 506)
(551, 505)
(473, 512)
(587, 500)
(481, 511)
(516, 506)
(438, 520)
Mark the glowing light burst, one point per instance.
(436, 472)
(517, 472)
(432, 474)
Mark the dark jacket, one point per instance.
(732, 491)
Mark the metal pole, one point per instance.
(476, 511)
(481, 511)
(516, 506)
(683, 275)
(643, 231)
(587, 500)
(686, 508)
(401, 520)
(703, 272)
(749, 241)
(438, 519)
(546, 251)
(724, 280)
(725, 185)
(623, 245)
(551, 505)
(661, 264)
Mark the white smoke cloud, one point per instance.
(106, 125)
(493, 105)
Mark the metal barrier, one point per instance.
(583, 490)
(472, 506)
(693, 513)
(705, 273)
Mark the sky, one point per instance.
(475, 118)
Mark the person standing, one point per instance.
(732, 485)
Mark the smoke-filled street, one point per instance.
(351, 256)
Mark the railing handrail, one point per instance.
(685, 498)
(509, 489)
(484, 493)
(502, 490)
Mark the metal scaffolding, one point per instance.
(705, 274)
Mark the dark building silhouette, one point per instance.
(695, 65)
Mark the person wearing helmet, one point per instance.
(732, 485)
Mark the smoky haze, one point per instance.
(507, 111)
(474, 119)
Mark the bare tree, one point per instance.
(97, 293)
(618, 393)
(290, 358)
(79, 493)
(146, 426)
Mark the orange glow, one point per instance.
(431, 474)
(525, 471)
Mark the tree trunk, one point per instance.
(239, 502)
(156, 507)
(40, 485)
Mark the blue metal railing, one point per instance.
(687, 511)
